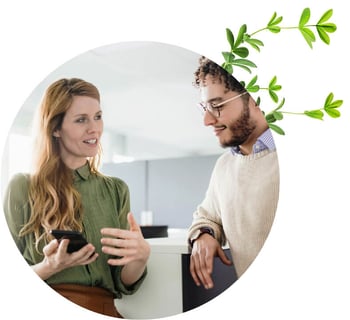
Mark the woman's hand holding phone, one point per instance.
(57, 258)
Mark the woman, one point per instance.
(66, 191)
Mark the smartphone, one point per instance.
(76, 239)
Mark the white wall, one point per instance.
(170, 188)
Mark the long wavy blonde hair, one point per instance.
(54, 202)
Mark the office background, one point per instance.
(154, 137)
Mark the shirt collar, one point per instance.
(83, 172)
(264, 141)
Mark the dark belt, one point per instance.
(92, 298)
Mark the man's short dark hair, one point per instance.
(208, 67)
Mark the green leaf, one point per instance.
(253, 81)
(335, 104)
(273, 81)
(278, 20)
(228, 68)
(308, 35)
(323, 31)
(326, 16)
(244, 62)
(334, 113)
(230, 38)
(274, 29)
(243, 52)
(323, 35)
(273, 84)
(252, 86)
(273, 96)
(272, 19)
(281, 104)
(258, 101)
(241, 32)
(277, 129)
(331, 106)
(328, 100)
(278, 115)
(328, 27)
(305, 17)
(316, 114)
(270, 118)
(254, 46)
(254, 43)
(228, 56)
(242, 67)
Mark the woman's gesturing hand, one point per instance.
(130, 249)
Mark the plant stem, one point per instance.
(289, 112)
(255, 32)
(282, 28)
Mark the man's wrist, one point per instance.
(200, 232)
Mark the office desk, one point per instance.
(168, 288)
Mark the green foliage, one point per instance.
(322, 27)
(239, 52)
(330, 107)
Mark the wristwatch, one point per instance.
(199, 232)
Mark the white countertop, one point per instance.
(161, 293)
(176, 242)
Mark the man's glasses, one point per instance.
(214, 109)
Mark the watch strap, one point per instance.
(202, 231)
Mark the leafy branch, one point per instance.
(237, 57)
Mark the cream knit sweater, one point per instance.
(240, 204)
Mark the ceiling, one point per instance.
(147, 97)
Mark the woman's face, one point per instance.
(81, 130)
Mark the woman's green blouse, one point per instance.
(106, 203)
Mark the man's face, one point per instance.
(235, 125)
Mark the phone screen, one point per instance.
(76, 239)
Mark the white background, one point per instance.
(303, 270)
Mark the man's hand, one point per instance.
(205, 248)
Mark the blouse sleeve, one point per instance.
(16, 207)
(123, 194)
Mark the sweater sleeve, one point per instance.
(208, 213)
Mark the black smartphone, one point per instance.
(76, 239)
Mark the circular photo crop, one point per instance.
(152, 184)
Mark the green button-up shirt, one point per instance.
(106, 203)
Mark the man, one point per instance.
(241, 200)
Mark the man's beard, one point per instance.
(241, 129)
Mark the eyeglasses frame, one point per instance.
(205, 108)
